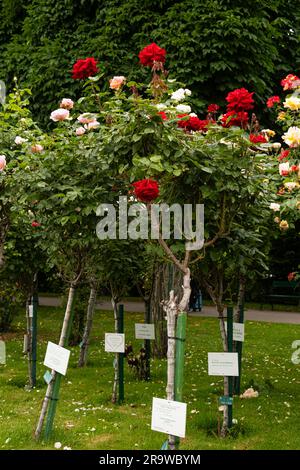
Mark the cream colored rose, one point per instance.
(59, 115)
(37, 148)
(292, 103)
(284, 225)
(292, 137)
(117, 82)
(67, 103)
(291, 185)
(2, 162)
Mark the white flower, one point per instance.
(60, 114)
(234, 421)
(178, 95)
(284, 168)
(57, 445)
(292, 103)
(274, 206)
(187, 92)
(183, 108)
(67, 448)
(276, 145)
(193, 115)
(19, 140)
(161, 106)
(92, 125)
(292, 137)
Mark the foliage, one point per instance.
(214, 46)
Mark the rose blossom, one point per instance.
(92, 125)
(213, 108)
(80, 131)
(292, 137)
(240, 100)
(272, 101)
(290, 185)
(275, 207)
(67, 103)
(183, 108)
(291, 276)
(152, 53)
(292, 103)
(116, 82)
(60, 115)
(284, 225)
(20, 140)
(180, 94)
(146, 190)
(37, 148)
(85, 68)
(289, 81)
(2, 162)
(284, 168)
(85, 118)
(276, 146)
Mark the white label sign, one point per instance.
(223, 364)
(168, 417)
(238, 331)
(115, 342)
(144, 331)
(2, 353)
(57, 358)
(30, 311)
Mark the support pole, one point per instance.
(230, 349)
(121, 355)
(239, 350)
(147, 342)
(34, 302)
(179, 364)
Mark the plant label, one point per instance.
(47, 377)
(144, 331)
(223, 364)
(30, 311)
(238, 331)
(2, 353)
(225, 400)
(168, 417)
(115, 342)
(57, 358)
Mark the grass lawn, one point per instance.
(86, 419)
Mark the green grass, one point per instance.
(86, 419)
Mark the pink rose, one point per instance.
(60, 115)
(86, 118)
(80, 131)
(116, 82)
(92, 125)
(2, 162)
(66, 103)
(37, 148)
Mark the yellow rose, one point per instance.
(284, 225)
(292, 103)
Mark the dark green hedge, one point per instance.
(213, 45)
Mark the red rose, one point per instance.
(294, 168)
(146, 190)
(85, 68)
(284, 154)
(35, 224)
(152, 53)
(163, 115)
(193, 123)
(240, 100)
(291, 277)
(257, 139)
(290, 81)
(272, 100)
(233, 118)
(213, 108)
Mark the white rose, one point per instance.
(183, 108)
(187, 92)
(57, 445)
(292, 103)
(161, 106)
(284, 168)
(275, 207)
(292, 137)
(193, 115)
(19, 140)
(178, 95)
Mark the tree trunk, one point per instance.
(220, 309)
(114, 396)
(62, 342)
(88, 327)
(241, 297)
(167, 278)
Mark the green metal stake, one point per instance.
(57, 383)
(147, 343)
(239, 350)
(34, 301)
(230, 349)
(121, 355)
(179, 360)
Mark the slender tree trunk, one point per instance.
(88, 327)
(220, 309)
(241, 297)
(114, 396)
(62, 342)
